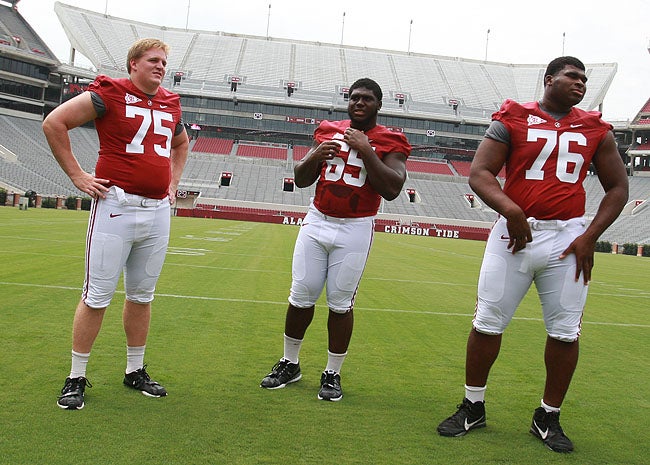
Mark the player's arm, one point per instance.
(489, 159)
(307, 170)
(386, 175)
(71, 114)
(613, 177)
(178, 157)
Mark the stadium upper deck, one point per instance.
(208, 63)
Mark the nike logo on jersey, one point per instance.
(573, 126)
(115, 215)
(129, 99)
(533, 120)
(504, 237)
(542, 433)
(163, 106)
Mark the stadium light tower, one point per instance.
(487, 39)
(409, 46)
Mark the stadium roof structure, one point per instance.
(296, 72)
(18, 39)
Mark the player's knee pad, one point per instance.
(142, 292)
(340, 301)
(340, 311)
(566, 330)
(483, 331)
(141, 299)
(300, 297)
(561, 338)
(98, 301)
(563, 316)
(489, 319)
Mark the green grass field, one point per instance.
(217, 330)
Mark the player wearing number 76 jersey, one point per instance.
(142, 151)
(541, 236)
(355, 163)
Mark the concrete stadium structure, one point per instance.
(257, 100)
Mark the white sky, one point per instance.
(595, 31)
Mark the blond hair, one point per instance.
(141, 46)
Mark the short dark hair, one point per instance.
(368, 84)
(559, 63)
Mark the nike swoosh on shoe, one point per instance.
(542, 434)
(469, 425)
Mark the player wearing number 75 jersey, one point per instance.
(541, 236)
(142, 152)
(355, 163)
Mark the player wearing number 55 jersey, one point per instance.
(142, 152)
(355, 163)
(541, 236)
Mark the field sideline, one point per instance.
(217, 330)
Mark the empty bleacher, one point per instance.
(261, 150)
(35, 168)
(646, 107)
(461, 167)
(318, 69)
(18, 33)
(213, 145)
(32, 167)
(425, 166)
(299, 151)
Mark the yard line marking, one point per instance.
(270, 302)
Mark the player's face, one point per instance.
(363, 107)
(569, 86)
(149, 70)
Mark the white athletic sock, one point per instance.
(79, 362)
(134, 358)
(548, 408)
(475, 393)
(335, 361)
(292, 349)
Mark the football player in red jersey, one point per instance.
(142, 152)
(355, 163)
(541, 236)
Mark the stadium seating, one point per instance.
(213, 145)
(318, 72)
(21, 35)
(646, 107)
(318, 69)
(440, 196)
(261, 151)
(299, 151)
(433, 167)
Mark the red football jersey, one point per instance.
(135, 136)
(548, 159)
(342, 189)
